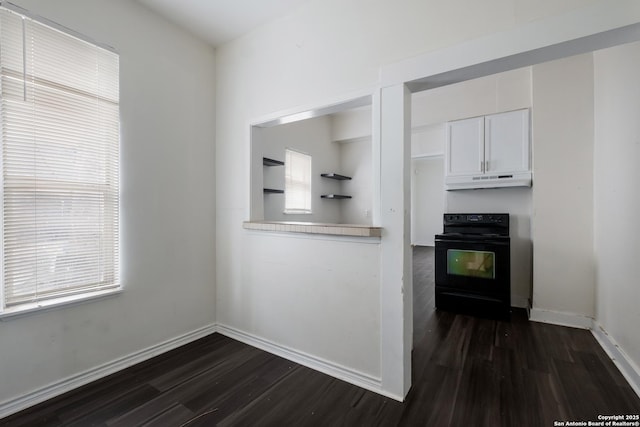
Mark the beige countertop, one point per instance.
(356, 230)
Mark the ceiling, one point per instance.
(219, 21)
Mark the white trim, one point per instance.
(71, 383)
(436, 155)
(363, 138)
(376, 157)
(572, 320)
(424, 127)
(396, 325)
(56, 303)
(627, 367)
(305, 111)
(335, 370)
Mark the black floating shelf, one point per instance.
(272, 191)
(271, 162)
(335, 176)
(334, 196)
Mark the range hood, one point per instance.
(473, 182)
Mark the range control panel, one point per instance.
(473, 223)
(461, 219)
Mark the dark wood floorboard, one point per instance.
(467, 371)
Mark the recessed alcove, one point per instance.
(338, 141)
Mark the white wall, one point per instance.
(351, 129)
(563, 257)
(167, 204)
(356, 162)
(304, 308)
(325, 51)
(351, 124)
(510, 90)
(617, 199)
(426, 139)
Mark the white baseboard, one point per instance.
(333, 369)
(629, 370)
(60, 387)
(561, 318)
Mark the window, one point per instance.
(297, 183)
(59, 115)
(471, 263)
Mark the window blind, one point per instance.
(59, 112)
(297, 182)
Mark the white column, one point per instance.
(396, 330)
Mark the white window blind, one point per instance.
(60, 152)
(297, 182)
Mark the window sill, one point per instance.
(39, 307)
(353, 230)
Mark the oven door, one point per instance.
(473, 265)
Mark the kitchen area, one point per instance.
(453, 126)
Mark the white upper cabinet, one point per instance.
(465, 148)
(506, 142)
(488, 151)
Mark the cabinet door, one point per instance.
(507, 142)
(465, 147)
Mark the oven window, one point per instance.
(471, 263)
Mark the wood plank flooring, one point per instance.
(466, 372)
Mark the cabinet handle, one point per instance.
(486, 165)
(481, 166)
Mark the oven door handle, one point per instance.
(482, 242)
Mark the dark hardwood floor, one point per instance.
(466, 372)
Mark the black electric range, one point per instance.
(473, 264)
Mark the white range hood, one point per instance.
(469, 182)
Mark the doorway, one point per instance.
(427, 207)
